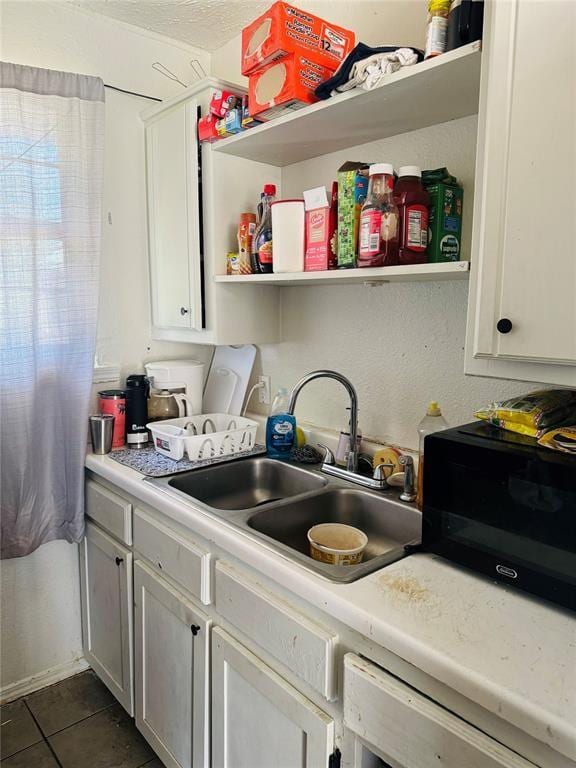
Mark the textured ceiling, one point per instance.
(206, 24)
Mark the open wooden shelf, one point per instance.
(454, 270)
(432, 92)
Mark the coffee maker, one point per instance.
(183, 378)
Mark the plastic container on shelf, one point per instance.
(379, 220)
(437, 29)
(433, 421)
(288, 233)
(413, 206)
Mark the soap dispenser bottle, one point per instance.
(433, 421)
(280, 428)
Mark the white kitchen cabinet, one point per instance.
(258, 719)
(191, 228)
(106, 587)
(522, 310)
(174, 218)
(171, 672)
(396, 723)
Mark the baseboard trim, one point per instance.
(48, 677)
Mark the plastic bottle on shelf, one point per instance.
(437, 29)
(378, 233)
(262, 240)
(413, 206)
(280, 427)
(432, 422)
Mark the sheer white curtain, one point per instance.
(51, 160)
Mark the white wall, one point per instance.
(401, 344)
(40, 608)
(40, 599)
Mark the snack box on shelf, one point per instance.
(283, 29)
(285, 85)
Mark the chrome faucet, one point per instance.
(352, 460)
(378, 479)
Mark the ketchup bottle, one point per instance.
(378, 233)
(413, 205)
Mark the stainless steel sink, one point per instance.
(276, 503)
(388, 524)
(246, 483)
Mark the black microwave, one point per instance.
(498, 503)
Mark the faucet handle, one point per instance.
(379, 474)
(328, 455)
(409, 492)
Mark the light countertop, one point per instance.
(506, 651)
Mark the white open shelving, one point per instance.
(454, 270)
(432, 92)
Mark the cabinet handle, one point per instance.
(504, 325)
(119, 560)
(195, 629)
(184, 311)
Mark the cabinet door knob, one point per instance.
(195, 629)
(119, 560)
(184, 311)
(504, 325)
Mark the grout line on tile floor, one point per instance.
(96, 712)
(44, 738)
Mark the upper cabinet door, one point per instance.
(522, 321)
(174, 218)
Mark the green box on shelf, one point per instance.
(445, 222)
(352, 189)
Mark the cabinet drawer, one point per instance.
(110, 511)
(302, 645)
(173, 555)
(409, 729)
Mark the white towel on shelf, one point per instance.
(368, 73)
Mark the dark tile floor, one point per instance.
(74, 724)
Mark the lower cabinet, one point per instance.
(396, 723)
(258, 719)
(106, 586)
(171, 672)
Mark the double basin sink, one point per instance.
(277, 503)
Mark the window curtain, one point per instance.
(51, 165)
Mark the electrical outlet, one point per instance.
(264, 392)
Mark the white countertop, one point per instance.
(504, 650)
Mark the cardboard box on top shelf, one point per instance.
(284, 86)
(284, 29)
(352, 190)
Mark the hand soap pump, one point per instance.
(280, 428)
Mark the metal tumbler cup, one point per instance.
(101, 431)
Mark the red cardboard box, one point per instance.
(222, 101)
(207, 128)
(285, 85)
(284, 29)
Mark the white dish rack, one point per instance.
(204, 436)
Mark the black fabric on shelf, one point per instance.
(361, 51)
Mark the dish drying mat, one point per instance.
(149, 462)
